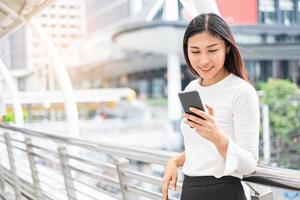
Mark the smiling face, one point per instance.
(207, 55)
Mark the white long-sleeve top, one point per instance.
(236, 110)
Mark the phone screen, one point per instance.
(190, 99)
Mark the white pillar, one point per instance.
(275, 68)
(266, 134)
(14, 93)
(63, 79)
(204, 6)
(170, 12)
(136, 6)
(154, 9)
(174, 86)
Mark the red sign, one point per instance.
(239, 12)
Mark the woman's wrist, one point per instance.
(178, 160)
(175, 161)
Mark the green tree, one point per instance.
(282, 97)
(9, 117)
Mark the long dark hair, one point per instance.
(217, 27)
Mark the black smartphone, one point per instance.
(190, 99)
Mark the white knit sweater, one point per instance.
(236, 110)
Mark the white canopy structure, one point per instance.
(14, 14)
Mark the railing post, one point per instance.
(2, 181)
(120, 164)
(267, 195)
(66, 171)
(13, 170)
(34, 171)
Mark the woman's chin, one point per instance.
(206, 73)
(206, 76)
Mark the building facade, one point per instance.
(268, 36)
(268, 32)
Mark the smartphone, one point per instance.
(190, 99)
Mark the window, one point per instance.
(157, 89)
(253, 68)
(248, 39)
(267, 12)
(21, 84)
(286, 11)
(266, 70)
(298, 12)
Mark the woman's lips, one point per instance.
(207, 69)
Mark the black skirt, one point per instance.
(212, 188)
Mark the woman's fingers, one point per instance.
(165, 188)
(195, 119)
(170, 177)
(198, 128)
(173, 182)
(201, 113)
(166, 182)
(210, 110)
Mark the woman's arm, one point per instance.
(242, 152)
(179, 159)
(171, 173)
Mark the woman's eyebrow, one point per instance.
(212, 45)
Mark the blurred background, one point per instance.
(110, 70)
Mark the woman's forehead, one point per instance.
(204, 39)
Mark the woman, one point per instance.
(223, 146)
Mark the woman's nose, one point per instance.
(203, 61)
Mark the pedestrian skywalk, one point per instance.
(40, 165)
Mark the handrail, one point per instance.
(275, 177)
(124, 188)
(137, 153)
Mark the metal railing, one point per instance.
(39, 165)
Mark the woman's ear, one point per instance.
(227, 49)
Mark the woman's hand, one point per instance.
(207, 128)
(170, 177)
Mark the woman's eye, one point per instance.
(214, 50)
(194, 51)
